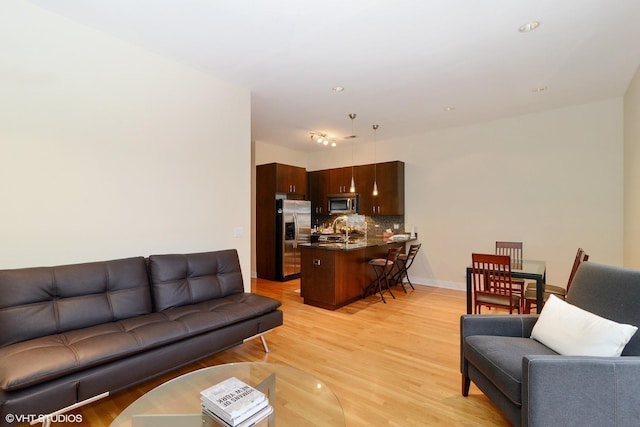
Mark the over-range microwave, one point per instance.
(343, 204)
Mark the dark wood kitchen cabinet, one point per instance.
(318, 189)
(390, 179)
(280, 178)
(291, 179)
(364, 188)
(273, 178)
(324, 182)
(340, 180)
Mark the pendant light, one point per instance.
(375, 160)
(352, 188)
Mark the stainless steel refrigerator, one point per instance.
(293, 226)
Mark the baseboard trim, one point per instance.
(438, 283)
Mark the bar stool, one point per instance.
(403, 264)
(383, 268)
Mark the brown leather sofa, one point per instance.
(70, 334)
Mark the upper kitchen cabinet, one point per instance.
(340, 180)
(318, 189)
(284, 178)
(364, 175)
(291, 179)
(390, 180)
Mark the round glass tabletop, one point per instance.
(297, 397)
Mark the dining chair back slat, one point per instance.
(513, 249)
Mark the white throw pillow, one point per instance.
(572, 331)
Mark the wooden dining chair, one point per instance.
(559, 291)
(492, 283)
(514, 250)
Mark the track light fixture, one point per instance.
(322, 138)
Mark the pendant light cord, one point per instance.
(375, 159)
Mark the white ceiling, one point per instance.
(401, 62)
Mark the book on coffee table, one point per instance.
(233, 401)
(259, 419)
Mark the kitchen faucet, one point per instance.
(345, 219)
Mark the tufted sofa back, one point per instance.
(41, 301)
(178, 280)
(610, 292)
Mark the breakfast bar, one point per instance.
(334, 274)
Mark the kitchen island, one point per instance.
(334, 274)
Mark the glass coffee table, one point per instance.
(298, 398)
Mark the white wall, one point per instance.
(553, 180)
(632, 174)
(269, 153)
(111, 151)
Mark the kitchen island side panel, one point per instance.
(334, 278)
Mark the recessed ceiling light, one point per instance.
(337, 89)
(539, 89)
(529, 26)
(449, 108)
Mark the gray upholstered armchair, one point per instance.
(535, 386)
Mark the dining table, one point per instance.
(523, 269)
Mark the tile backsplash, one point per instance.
(376, 225)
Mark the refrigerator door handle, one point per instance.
(295, 230)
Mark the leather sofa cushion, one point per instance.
(41, 301)
(183, 279)
(46, 358)
(500, 358)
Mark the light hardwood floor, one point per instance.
(394, 364)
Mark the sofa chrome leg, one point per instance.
(264, 344)
(466, 383)
(264, 341)
(46, 419)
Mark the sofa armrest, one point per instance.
(507, 325)
(580, 390)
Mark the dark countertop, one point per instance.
(364, 243)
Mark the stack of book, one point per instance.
(235, 403)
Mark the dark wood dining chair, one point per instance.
(514, 250)
(559, 291)
(492, 283)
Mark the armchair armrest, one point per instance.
(507, 325)
(580, 390)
